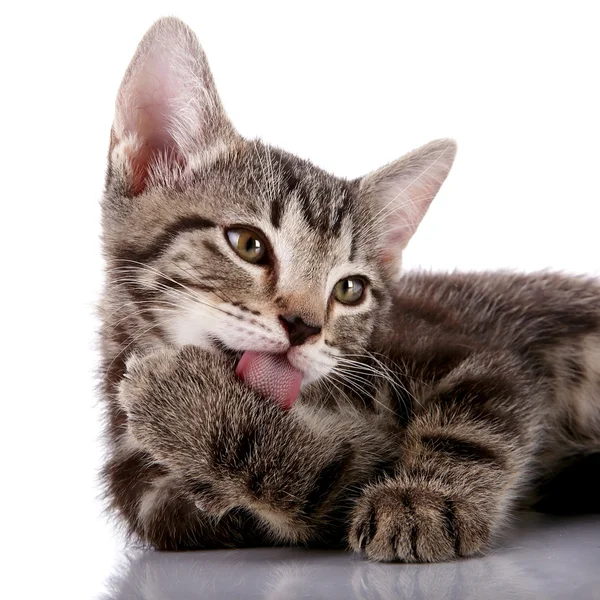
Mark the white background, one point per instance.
(350, 86)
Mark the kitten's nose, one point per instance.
(298, 331)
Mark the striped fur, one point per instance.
(429, 410)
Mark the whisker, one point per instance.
(200, 281)
(134, 303)
(359, 369)
(350, 383)
(141, 311)
(329, 379)
(190, 292)
(179, 293)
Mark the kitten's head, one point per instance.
(227, 243)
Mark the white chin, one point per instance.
(303, 365)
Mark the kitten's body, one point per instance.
(434, 406)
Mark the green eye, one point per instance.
(247, 243)
(349, 291)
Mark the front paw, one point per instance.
(141, 375)
(417, 522)
(230, 446)
(267, 461)
(169, 394)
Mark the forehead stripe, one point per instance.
(286, 183)
(340, 212)
(276, 212)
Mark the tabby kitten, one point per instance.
(429, 405)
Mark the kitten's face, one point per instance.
(232, 245)
(256, 239)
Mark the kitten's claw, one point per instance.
(394, 522)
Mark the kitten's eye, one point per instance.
(247, 243)
(349, 291)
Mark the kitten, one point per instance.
(430, 406)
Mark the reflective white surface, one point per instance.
(542, 557)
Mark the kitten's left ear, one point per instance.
(168, 112)
(400, 193)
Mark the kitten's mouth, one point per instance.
(271, 375)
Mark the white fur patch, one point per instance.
(151, 500)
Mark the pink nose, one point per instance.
(298, 331)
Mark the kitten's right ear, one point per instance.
(168, 112)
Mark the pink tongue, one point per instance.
(271, 375)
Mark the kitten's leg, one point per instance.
(158, 508)
(219, 446)
(466, 453)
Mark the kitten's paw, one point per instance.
(141, 374)
(173, 375)
(169, 395)
(416, 523)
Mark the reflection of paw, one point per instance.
(415, 523)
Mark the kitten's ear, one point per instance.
(400, 194)
(168, 111)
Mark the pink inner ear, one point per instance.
(156, 142)
(402, 191)
(405, 218)
(150, 104)
(141, 162)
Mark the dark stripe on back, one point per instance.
(421, 309)
(432, 364)
(565, 322)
